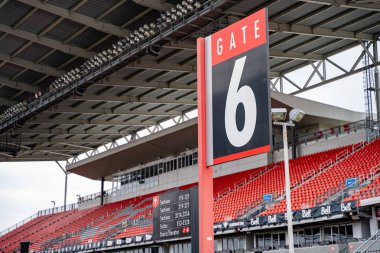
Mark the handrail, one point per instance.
(321, 198)
(334, 131)
(341, 155)
(240, 182)
(224, 192)
(19, 224)
(325, 164)
(363, 247)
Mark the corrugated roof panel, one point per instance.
(12, 12)
(355, 15)
(191, 77)
(56, 59)
(87, 38)
(147, 74)
(299, 40)
(299, 12)
(183, 55)
(34, 52)
(8, 70)
(336, 46)
(288, 65)
(168, 76)
(374, 30)
(64, 30)
(246, 6)
(67, 4)
(146, 19)
(365, 23)
(7, 92)
(280, 6)
(23, 96)
(10, 44)
(106, 44)
(38, 21)
(315, 44)
(94, 8)
(29, 76)
(74, 64)
(277, 37)
(326, 14)
(124, 13)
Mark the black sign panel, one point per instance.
(238, 122)
(274, 219)
(254, 75)
(173, 214)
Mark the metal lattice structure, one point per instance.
(41, 40)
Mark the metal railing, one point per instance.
(49, 211)
(240, 183)
(326, 133)
(19, 224)
(372, 245)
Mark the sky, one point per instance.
(27, 187)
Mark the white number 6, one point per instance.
(235, 96)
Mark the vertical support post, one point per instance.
(287, 189)
(65, 197)
(65, 194)
(377, 78)
(294, 143)
(205, 193)
(102, 192)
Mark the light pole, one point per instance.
(278, 116)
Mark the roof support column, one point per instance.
(102, 193)
(377, 78)
(65, 194)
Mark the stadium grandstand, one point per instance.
(110, 87)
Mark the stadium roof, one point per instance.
(41, 40)
(175, 140)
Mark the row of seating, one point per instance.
(133, 216)
(271, 182)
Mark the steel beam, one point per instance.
(118, 81)
(133, 99)
(109, 111)
(77, 17)
(346, 4)
(47, 70)
(73, 50)
(18, 85)
(308, 30)
(155, 4)
(81, 122)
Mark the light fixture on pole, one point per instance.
(53, 203)
(295, 116)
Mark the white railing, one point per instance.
(371, 245)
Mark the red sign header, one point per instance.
(239, 37)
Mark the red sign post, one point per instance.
(233, 105)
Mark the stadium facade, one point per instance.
(80, 75)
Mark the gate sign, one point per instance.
(237, 90)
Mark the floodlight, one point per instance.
(296, 115)
(279, 114)
(197, 5)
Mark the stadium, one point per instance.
(120, 91)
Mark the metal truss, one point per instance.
(320, 69)
(131, 137)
